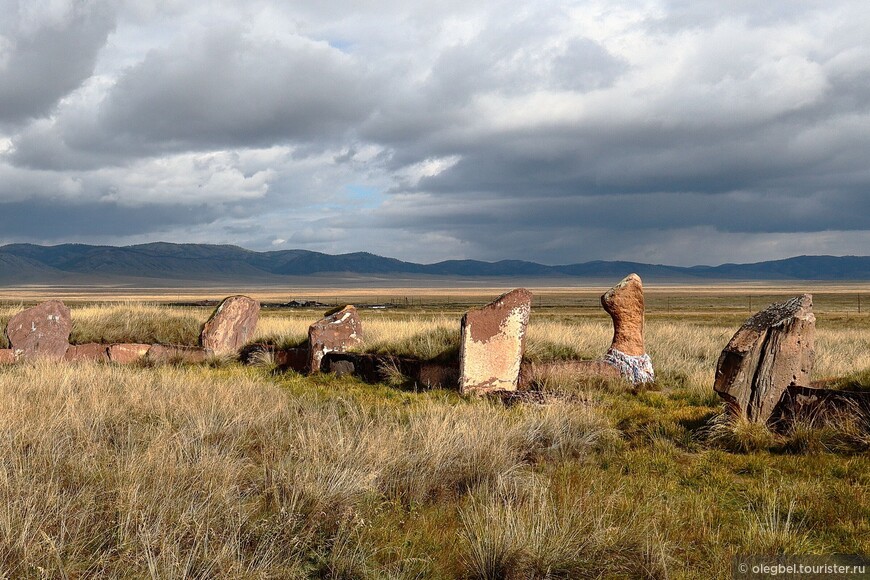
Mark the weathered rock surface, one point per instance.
(127, 353)
(335, 332)
(773, 350)
(492, 343)
(40, 332)
(7, 356)
(231, 325)
(624, 304)
(162, 354)
(91, 351)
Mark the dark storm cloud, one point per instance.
(555, 131)
(47, 51)
(55, 222)
(232, 89)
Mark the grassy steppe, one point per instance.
(230, 471)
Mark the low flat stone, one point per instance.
(376, 368)
(92, 351)
(537, 373)
(40, 332)
(820, 404)
(294, 359)
(163, 354)
(335, 332)
(231, 325)
(492, 343)
(435, 375)
(7, 356)
(774, 349)
(127, 353)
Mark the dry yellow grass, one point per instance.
(168, 472)
(234, 472)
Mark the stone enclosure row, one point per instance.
(763, 373)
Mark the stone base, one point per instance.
(636, 369)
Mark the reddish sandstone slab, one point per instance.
(624, 303)
(295, 359)
(335, 332)
(159, 353)
(127, 353)
(567, 370)
(7, 356)
(492, 343)
(91, 351)
(231, 325)
(773, 350)
(40, 332)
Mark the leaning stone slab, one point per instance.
(161, 354)
(335, 332)
(91, 351)
(773, 350)
(7, 356)
(492, 343)
(40, 332)
(231, 325)
(128, 353)
(625, 305)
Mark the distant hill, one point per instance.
(79, 263)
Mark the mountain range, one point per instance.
(79, 263)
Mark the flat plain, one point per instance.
(225, 470)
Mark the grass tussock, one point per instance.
(512, 533)
(119, 471)
(141, 323)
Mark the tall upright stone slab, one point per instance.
(40, 332)
(335, 332)
(492, 342)
(774, 349)
(231, 325)
(625, 305)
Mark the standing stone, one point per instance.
(335, 332)
(7, 356)
(772, 351)
(231, 325)
(624, 304)
(492, 342)
(40, 332)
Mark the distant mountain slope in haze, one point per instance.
(33, 264)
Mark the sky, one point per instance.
(670, 131)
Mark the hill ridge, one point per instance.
(32, 263)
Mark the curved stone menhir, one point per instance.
(335, 332)
(624, 304)
(40, 332)
(773, 350)
(231, 325)
(492, 343)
